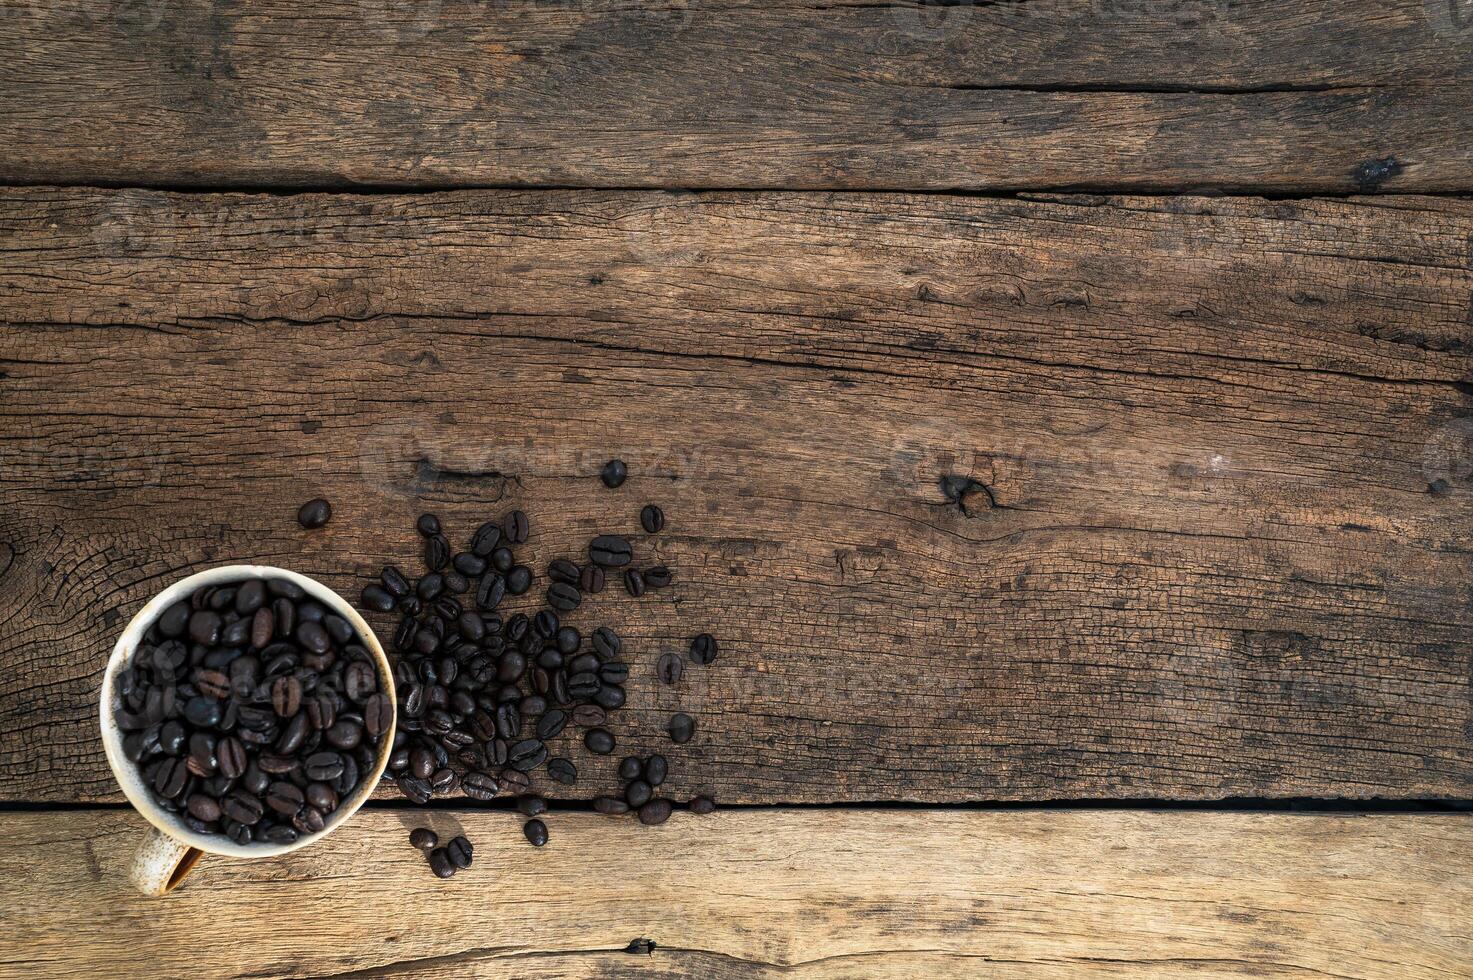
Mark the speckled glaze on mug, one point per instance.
(171, 849)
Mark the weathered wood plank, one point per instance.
(1329, 95)
(1228, 444)
(812, 894)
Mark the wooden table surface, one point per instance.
(1063, 412)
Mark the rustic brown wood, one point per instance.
(1215, 542)
(812, 894)
(1327, 95)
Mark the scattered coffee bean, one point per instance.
(314, 513)
(424, 838)
(459, 851)
(652, 518)
(514, 527)
(658, 577)
(591, 580)
(634, 582)
(479, 786)
(638, 793)
(702, 804)
(486, 538)
(654, 812)
(531, 805)
(703, 649)
(599, 741)
(614, 473)
(428, 525)
(589, 715)
(669, 668)
(562, 771)
(441, 864)
(536, 832)
(655, 769)
(630, 767)
(610, 805)
(564, 597)
(518, 579)
(681, 727)
(610, 550)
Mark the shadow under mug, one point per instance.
(171, 850)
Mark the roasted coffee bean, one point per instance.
(508, 720)
(444, 781)
(567, 640)
(562, 570)
(564, 597)
(703, 649)
(172, 738)
(430, 587)
(314, 513)
(309, 820)
(359, 681)
(681, 727)
(324, 766)
(599, 741)
(440, 864)
(610, 696)
(378, 714)
(654, 812)
(515, 781)
(669, 668)
(276, 765)
(610, 550)
(254, 781)
(313, 636)
(263, 626)
(410, 605)
(243, 807)
(285, 798)
(404, 635)
(394, 582)
(610, 805)
(634, 582)
(286, 696)
(496, 751)
(460, 852)
(237, 633)
(399, 759)
(285, 614)
(490, 592)
(471, 627)
(339, 629)
(202, 712)
(175, 619)
(630, 767)
(536, 832)
(171, 778)
(486, 538)
(456, 582)
(532, 705)
(614, 473)
(421, 762)
(655, 769)
(230, 758)
(279, 834)
(514, 527)
(638, 793)
(552, 724)
(427, 525)
(285, 588)
(563, 771)
(550, 659)
(322, 796)
(518, 579)
(414, 788)
(658, 577)
(479, 786)
(583, 685)
(652, 518)
(426, 641)
(591, 581)
(544, 624)
(294, 734)
(212, 683)
(344, 734)
(614, 672)
(437, 553)
(424, 838)
(589, 715)
(606, 643)
(527, 755)
(202, 808)
(205, 626)
(502, 559)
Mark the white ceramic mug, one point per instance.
(171, 849)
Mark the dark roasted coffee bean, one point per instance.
(414, 788)
(669, 668)
(610, 550)
(444, 781)
(285, 589)
(294, 734)
(324, 766)
(658, 577)
(308, 820)
(614, 672)
(486, 538)
(508, 720)
(421, 762)
(526, 755)
(514, 527)
(599, 741)
(394, 582)
(399, 759)
(321, 796)
(359, 681)
(610, 805)
(567, 639)
(202, 760)
(314, 513)
(470, 626)
(314, 637)
(552, 724)
(469, 564)
(610, 696)
(589, 715)
(614, 473)
(263, 626)
(490, 592)
(285, 798)
(460, 852)
(440, 863)
(549, 659)
(630, 767)
(655, 769)
(703, 649)
(564, 597)
(511, 666)
(544, 624)
(344, 734)
(583, 685)
(654, 812)
(430, 587)
(563, 771)
(279, 834)
(536, 832)
(205, 626)
(243, 806)
(426, 641)
(424, 838)
(202, 712)
(254, 781)
(518, 579)
(212, 683)
(411, 606)
(286, 695)
(681, 727)
(276, 765)
(404, 635)
(237, 633)
(285, 614)
(562, 570)
(437, 554)
(502, 559)
(230, 757)
(339, 629)
(532, 705)
(175, 619)
(378, 714)
(346, 783)
(427, 525)
(652, 518)
(171, 778)
(606, 643)
(172, 737)
(591, 581)
(515, 781)
(479, 786)
(202, 808)
(638, 793)
(456, 582)
(250, 596)
(414, 700)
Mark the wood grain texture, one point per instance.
(811, 894)
(1216, 541)
(1323, 95)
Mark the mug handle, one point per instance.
(162, 863)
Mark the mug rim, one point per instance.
(127, 774)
